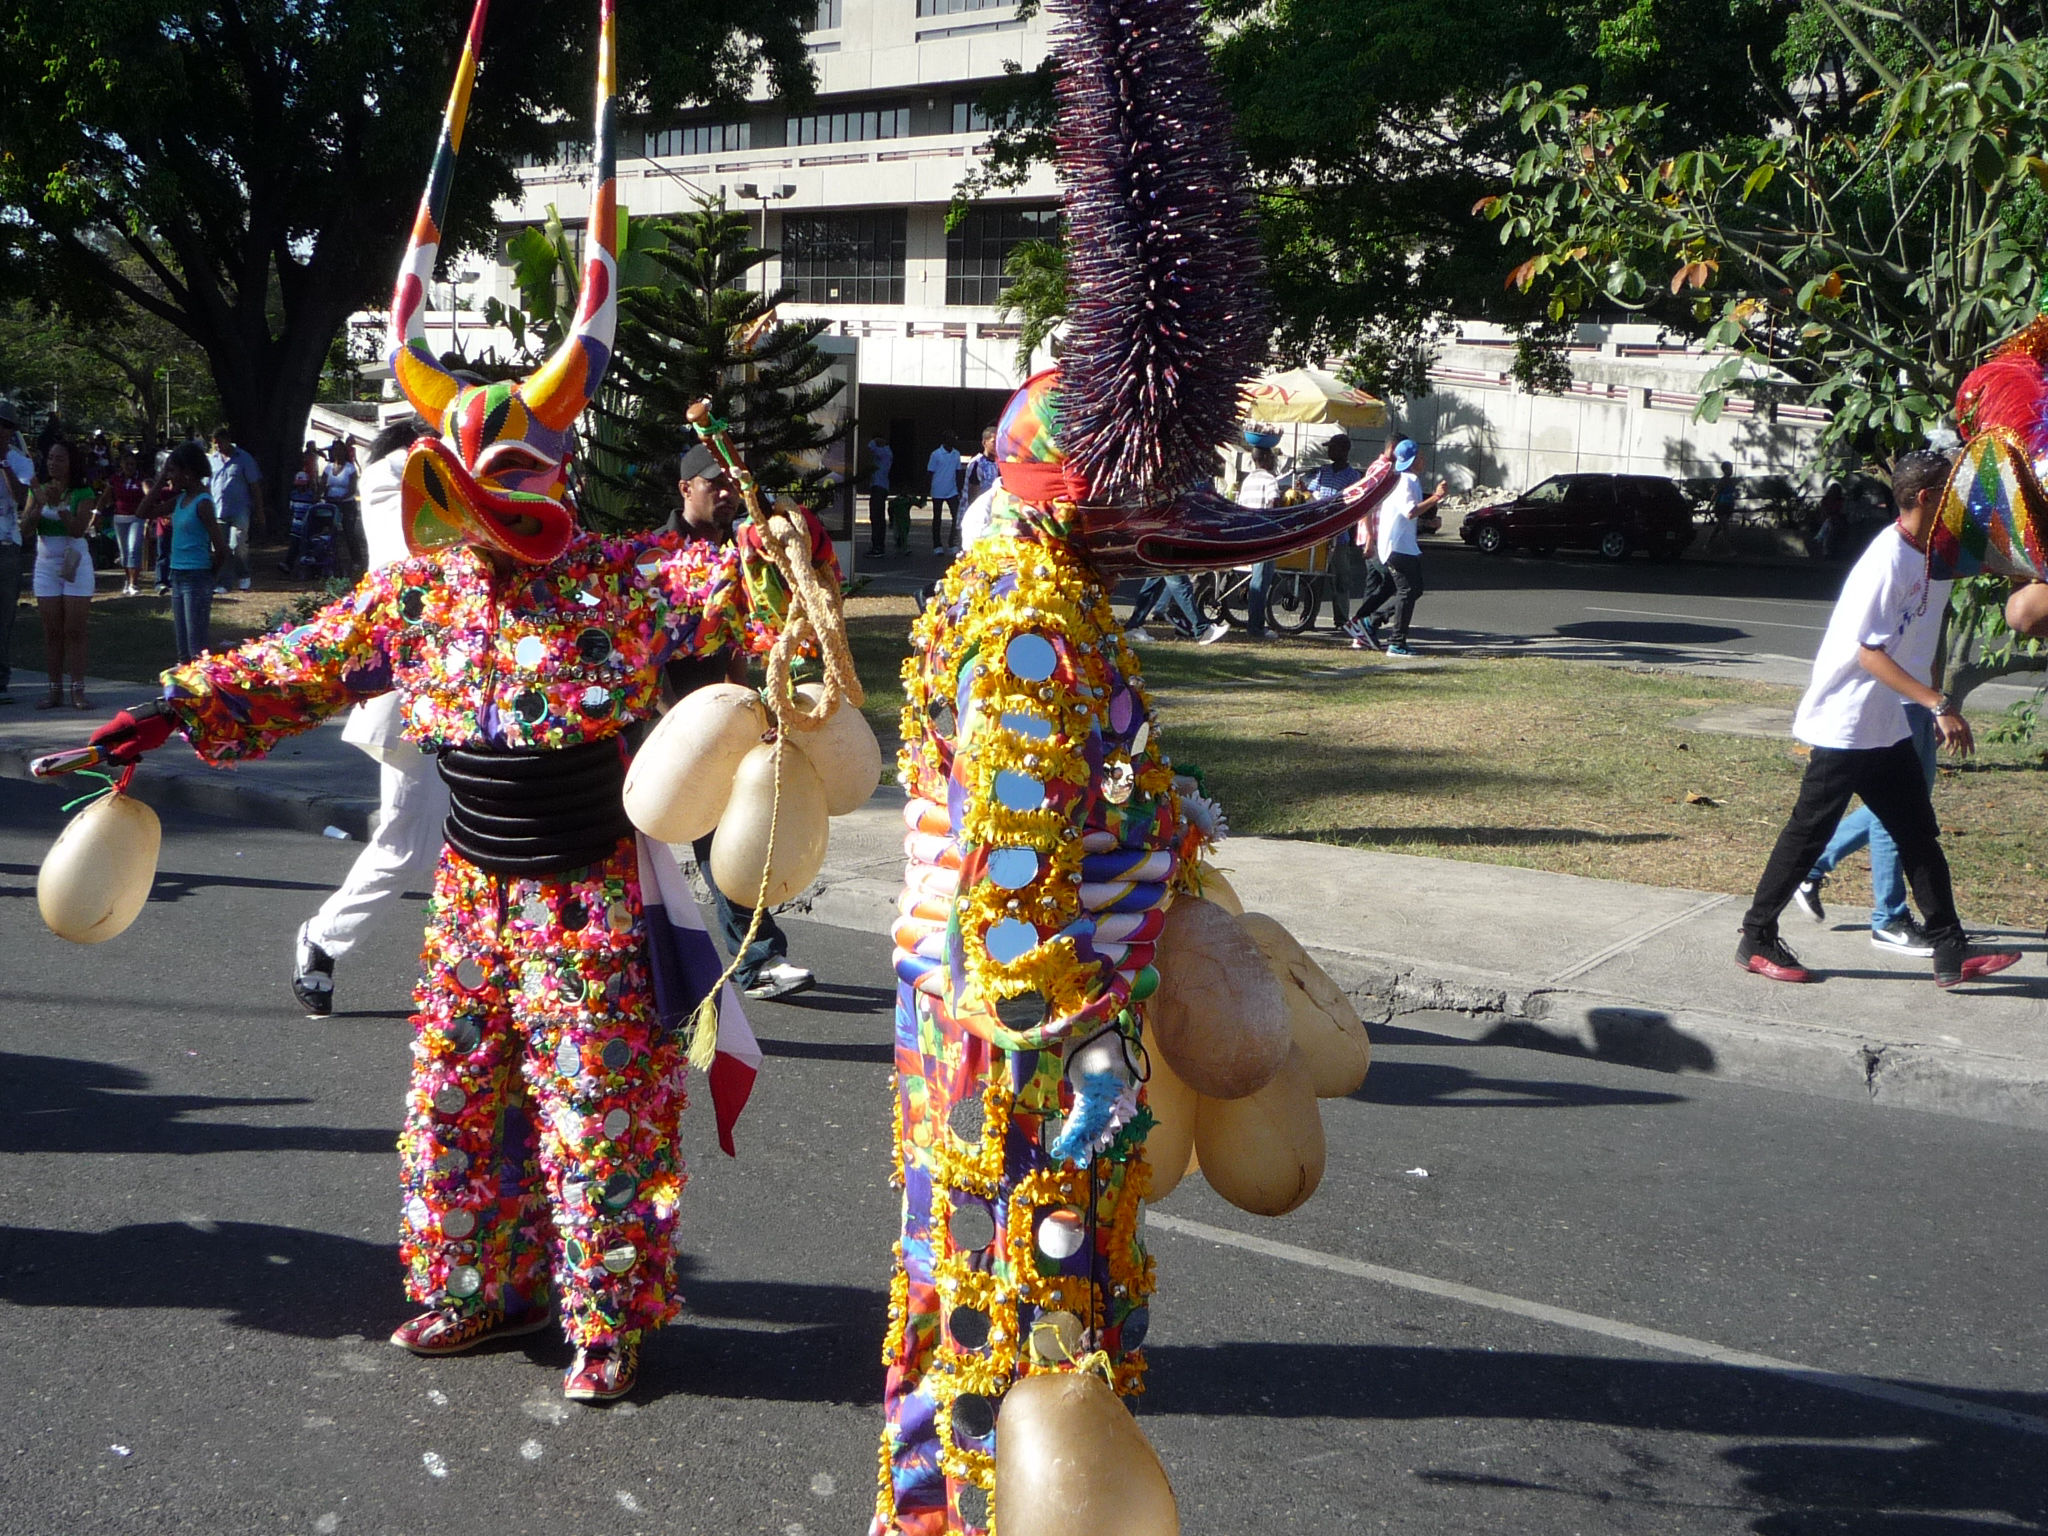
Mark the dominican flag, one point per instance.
(686, 964)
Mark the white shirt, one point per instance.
(1260, 488)
(1396, 515)
(944, 465)
(974, 521)
(24, 469)
(1888, 604)
(375, 727)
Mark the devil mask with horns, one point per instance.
(497, 474)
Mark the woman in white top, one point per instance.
(61, 513)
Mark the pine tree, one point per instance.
(703, 330)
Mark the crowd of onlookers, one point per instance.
(67, 507)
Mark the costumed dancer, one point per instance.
(563, 954)
(1047, 830)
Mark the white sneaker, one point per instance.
(1139, 636)
(1213, 633)
(1904, 937)
(780, 980)
(1808, 900)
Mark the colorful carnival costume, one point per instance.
(563, 953)
(1046, 833)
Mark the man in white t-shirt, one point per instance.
(944, 468)
(1399, 551)
(1875, 659)
(1259, 488)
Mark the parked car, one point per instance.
(1615, 514)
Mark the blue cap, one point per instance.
(1404, 454)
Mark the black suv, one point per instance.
(1615, 514)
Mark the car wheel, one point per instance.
(1614, 544)
(1490, 540)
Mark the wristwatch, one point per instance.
(1946, 706)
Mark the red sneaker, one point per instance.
(1771, 958)
(1972, 965)
(601, 1372)
(452, 1330)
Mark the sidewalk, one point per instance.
(1641, 975)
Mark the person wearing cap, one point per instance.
(17, 471)
(710, 503)
(1399, 550)
(341, 493)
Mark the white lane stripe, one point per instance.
(1607, 1327)
(1708, 618)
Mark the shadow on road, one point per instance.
(1421, 1083)
(57, 1104)
(1638, 633)
(1629, 1037)
(1956, 1476)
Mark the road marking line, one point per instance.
(1607, 1327)
(1635, 940)
(1708, 618)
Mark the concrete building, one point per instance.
(851, 194)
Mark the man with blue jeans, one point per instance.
(1892, 928)
(237, 499)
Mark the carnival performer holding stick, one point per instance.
(562, 962)
(1047, 831)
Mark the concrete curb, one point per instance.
(216, 793)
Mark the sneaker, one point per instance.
(780, 980)
(244, 585)
(601, 1372)
(1139, 636)
(1365, 636)
(1902, 936)
(1399, 650)
(1967, 963)
(1213, 633)
(453, 1329)
(1807, 899)
(220, 591)
(312, 975)
(1770, 957)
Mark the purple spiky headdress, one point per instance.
(1169, 315)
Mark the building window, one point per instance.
(845, 258)
(827, 19)
(567, 152)
(849, 127)
(697, 139)
(969, 116)
(955, 7)
(979, 244)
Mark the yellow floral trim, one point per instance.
(899, 1312)
(977, 1168)
(885, 1492)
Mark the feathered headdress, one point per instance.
(497, 474)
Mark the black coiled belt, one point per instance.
(531, 811)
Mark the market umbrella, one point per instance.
(1308, 396)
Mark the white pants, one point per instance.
(407, 839)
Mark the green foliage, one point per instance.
(2018, 725)
(1037, 294)
(1869, 240)
(702, 332)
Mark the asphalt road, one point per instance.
(197, 1271)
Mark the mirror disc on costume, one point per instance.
(464, 1281)
(1037, 727)
(1013, 868)
(465, 1035)
(1143, 736)
(458, 1224)
(1136, 1326)
(454, 1160)
(619, 917)
(1120, 709)
(1019, 791)
(944, 721)
(574, 916)
(1061, 1233)
(649, 566)
(974, 1417)
(594, 646)
(530, 705)
(449, 1099)
(469, 975)
(617, 1054)
(1056, 1336)
(1030, 657)
(973, 1503)
(620, 1188)
(529, 653)
(620, 1259)
(966, 1120)
(1024, 1011)
(971, 1228)
(568, 1060)
(617, 1123)
(1010, 940)
(969, 1327)
(1119, 780)
(570, 986)
(418, 1214)
(597, 702)
(412, 604)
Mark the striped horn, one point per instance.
(426, 383)
(558, 391)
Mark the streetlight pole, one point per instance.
(755, 193)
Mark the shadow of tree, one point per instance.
(1630, 1037)
(1479, 837)
(59, 1104)
(1642, 633)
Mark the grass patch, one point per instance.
(1564, 766)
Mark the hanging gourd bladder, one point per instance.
(98, 873)
(682, 776)
(1071, 1461)
(770, 841)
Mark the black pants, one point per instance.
(941, 505)
(1405, 574)
(878, 520)
(770, 942)
(1894, 785)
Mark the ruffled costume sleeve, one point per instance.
(241, 703)
(1046, 843)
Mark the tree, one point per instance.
(1037, 294)
(262, 161)
(702, 332)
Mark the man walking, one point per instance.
(1259, 488)
(880, 458)
(237, 502)
(1874, 660)
(1399, 550)
(944, 468)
